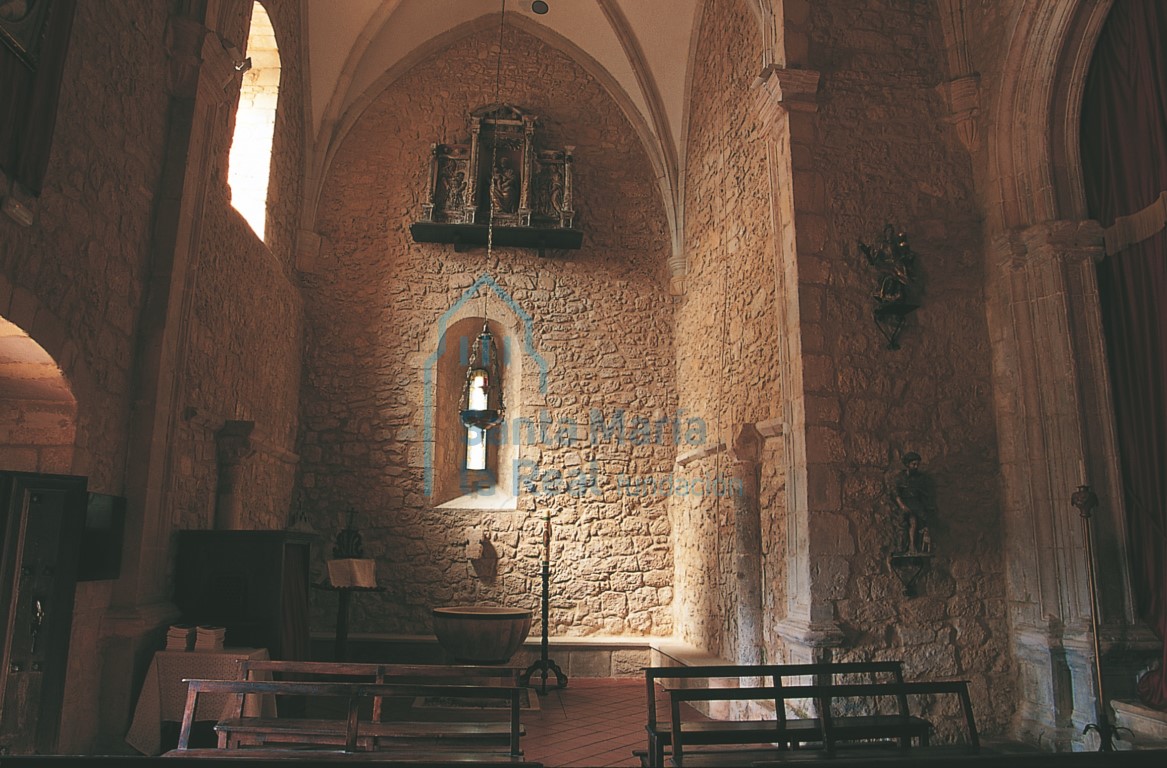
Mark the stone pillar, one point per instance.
(787, 108)
(1056, 432)
(744, 469)
(232, 446)
(200, 71)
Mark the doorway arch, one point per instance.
(38, 411)
(1055, 415)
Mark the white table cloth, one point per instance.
(163, 695)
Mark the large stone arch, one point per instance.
(584, 303)
(38, 408)
(1054, 413)
(1035, 148)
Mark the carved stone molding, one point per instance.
(219, 71)
(184, 46)
(259, 440)
(1138, 226)
(1085, 236)
(962, 89)
(810, 637)
(307, 250)
(793, 89)
(963, 97)
(200, 62)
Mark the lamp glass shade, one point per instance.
(482, 403)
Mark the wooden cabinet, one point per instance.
(41, 520)
(254, 583)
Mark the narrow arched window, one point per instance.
(475, 436)
(249, 166)
(471, 467)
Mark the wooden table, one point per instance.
(344, 595)
(163, 694)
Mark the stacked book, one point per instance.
(209, 638)
(180, 637)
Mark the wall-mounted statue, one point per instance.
(895, 295)
(914, 496)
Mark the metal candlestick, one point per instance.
(544, 664)
(1086, 500)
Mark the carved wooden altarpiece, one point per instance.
(502, 173)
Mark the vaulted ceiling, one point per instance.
(641, 51)
(638, 48)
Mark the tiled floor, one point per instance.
(588, 724)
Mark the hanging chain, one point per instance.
(494, 144)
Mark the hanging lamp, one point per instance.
(482, 403)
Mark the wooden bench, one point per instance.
(832, 730)
(791, 732)
(352, 737)
(310, 671)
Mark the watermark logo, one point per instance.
(484, 283)
(560, 430)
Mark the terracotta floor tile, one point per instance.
(591, 722)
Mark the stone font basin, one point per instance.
(481, 634)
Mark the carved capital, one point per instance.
(184, 46)
(790, 89)
(233, 443)
(810, 637)
(200, 62)
(747, 443)
(963, 97)
(307, 250)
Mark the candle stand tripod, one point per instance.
(1086, 500)
(543, 664)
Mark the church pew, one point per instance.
(797, 731)
(352, 736)
(466, 674)
(831, 730)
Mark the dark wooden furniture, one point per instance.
(900, 728)
(310, 671)
(781, 729)
(353, 737)
(343, 599)
(41, 521)
(254, 583)
(158, 712)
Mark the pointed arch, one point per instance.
(336, 126)
(1035, 153)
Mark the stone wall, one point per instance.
(74, 279)
(601, 320)
(244, 338)
(726, 350)
(884, 155)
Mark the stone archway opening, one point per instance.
(38, 413)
